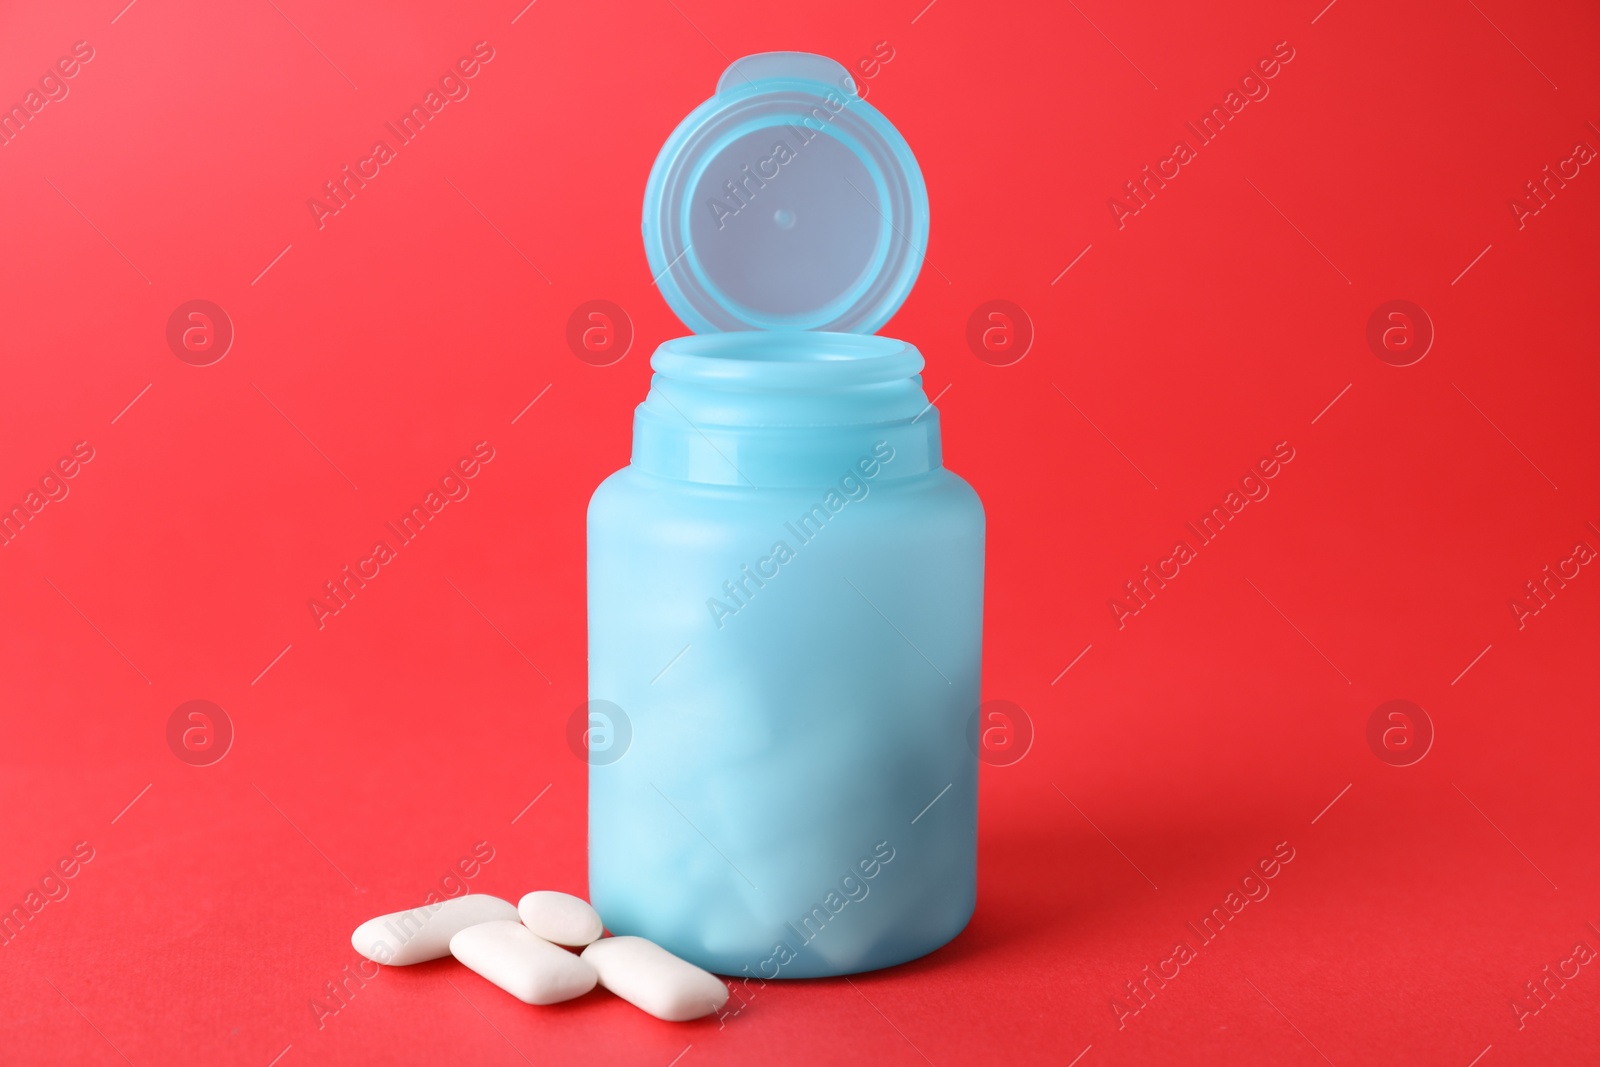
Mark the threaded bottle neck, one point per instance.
(770, 409)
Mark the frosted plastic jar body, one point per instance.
(785, 600)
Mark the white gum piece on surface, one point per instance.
(560, 918)
(523, 963)
(421, 934)
(654, 980)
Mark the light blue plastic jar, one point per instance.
(785, 584)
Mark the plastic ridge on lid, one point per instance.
(785, 202)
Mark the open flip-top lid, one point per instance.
(785, 202)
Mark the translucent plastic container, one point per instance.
(785, 584)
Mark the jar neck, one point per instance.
(765, 409)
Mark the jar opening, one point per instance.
(766, 409)
(787, 359)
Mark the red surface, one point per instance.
(1221, 719)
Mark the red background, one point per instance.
(1222, 719)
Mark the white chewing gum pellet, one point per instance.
(560, 917)
(523, 963)
(424, 933)
(654, 980)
